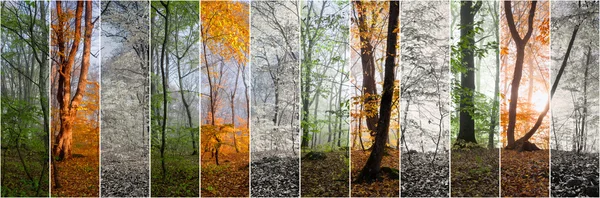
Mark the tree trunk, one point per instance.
(518, 143)
(585, 99)
(232, 104)
(370, 171)
(467, 124)
(164, 86)
(187, 108)
(368, 69)
(339, 112)
(520, 44)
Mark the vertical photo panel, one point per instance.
(425, 99)
(225, 29)
(75, 82)
(325, 97)
(24, 93)
(574, 135)
(125, 99)
(174, 106)
(374, 43)
(524, 89)
(275, 65)
(475, 66)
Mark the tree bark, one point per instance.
(164, 86)
(466, 132)
(520, 44)
(370, 171)
(68, 107)
(368, 68)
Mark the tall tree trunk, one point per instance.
(186, 105)
(164, 86)
(467, 124)
(585, 99)
(68, 106)
(187, 108)
(370, 171)
(520, 44)
(339, 111)
(232, 106)
(368, 68)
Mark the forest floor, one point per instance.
(124, 174)
(79, 176)
(14, 180)
(275, 176)
(525, 174)
(181, 179)
(475, 172)
(229, 179)
(422, 178)
(325, 174)
(574, 175)
(387, 187)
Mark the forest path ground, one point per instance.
(388, 187)
(525, 174)
(274, 176)
(421, 178)
(475, 173)
(124, 176)
(574, 175)
(326, 177)
(229, 179)
(79, 176)
(182, 178)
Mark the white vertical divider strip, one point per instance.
(449, 99)
(550, 102)
(48, 16)
(249, 70)
(149, 98)
(299, 88)
(349, 65)
(398, 108)
(100, 103)
(499, 108)
(200, 100)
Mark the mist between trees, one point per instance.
(24, 92)
(174, 74)
(125, 99)
(475, 65)
(339, 88)
(275, 97)
(574, 109)
(225, 98)
(425, 100)
(325, 97)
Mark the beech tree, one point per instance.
(371, 170)
(468, 10)
(67, 52)
(366, 27)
